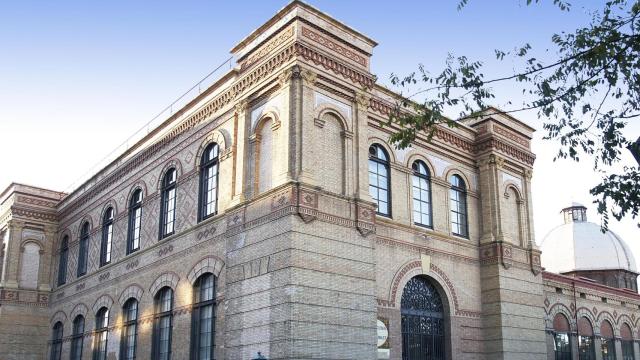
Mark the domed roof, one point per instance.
(580, 245)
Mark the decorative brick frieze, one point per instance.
(265, 50)
(326, 42)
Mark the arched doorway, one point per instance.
(423, 321)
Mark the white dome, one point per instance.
(581, 245)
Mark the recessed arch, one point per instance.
(87, 219)
(454, 170)
(109, 204)
(58, 316)
(105, 301)
(169, 279)
(79, 309)
(414, 156)
(171, 163)
(376, 140)
(219, 136)
(209, 264)
(138, 185)
(328, 109)
(270, 113)
(134, 291)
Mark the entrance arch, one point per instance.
(422, 321)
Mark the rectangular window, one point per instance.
(421, 201)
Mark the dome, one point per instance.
(579, 245)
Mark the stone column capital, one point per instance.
(309, 77)
(242, 106)
(362, 100)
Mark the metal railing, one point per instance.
(152, 124)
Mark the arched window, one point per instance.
(101, 335)
(562, 342)
(62, 265)
(77, 338)
(627, 342)
(83, 249)
(421, 184)
(209, 182)
(107, 237)
(379, 179)
(422, 321)
(56, 341)
(608, 346)
(203, 318)
(168, 205)
(458, 195)
(162, 324)
(135, 221)
(586, 346)
(129, 330)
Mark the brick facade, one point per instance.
(304, 266)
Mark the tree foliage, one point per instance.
(586, 96)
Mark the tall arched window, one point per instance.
(83, 249)
(62, 265)
(209, 182)
(608, 346)
(458, 195)
(379, 179)
(101, 335)
(586, 346)
(107, 237)
(422, 321)
(168, 206)
(162, 324)
(203, 318)
(56, 341)
(627, 342)
(421, 185)
(77, 338)
(562, 342)
(135, 221)
(129, 330)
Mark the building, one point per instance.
(271, 215)
(591, 292)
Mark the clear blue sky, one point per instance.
(78, 77)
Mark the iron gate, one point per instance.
(422, 321)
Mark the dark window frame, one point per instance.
(56, 341)
(77, 338)
(106, 244)
(196, 316)
(169, 184)
(83, 249)
(134, 231)
(158, 317)
(63, 260)
(564, 353)
(426, 177)
(102, 329)
(461, 210)
(129, 322)
(207, 163)
(386, 163)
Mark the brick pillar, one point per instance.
(13, 254)
(512, 291)
(240, 144)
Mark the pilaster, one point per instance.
(361, 147)
(13, 254)
(306, 142)
(240, 127)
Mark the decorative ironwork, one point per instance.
(422, 321)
